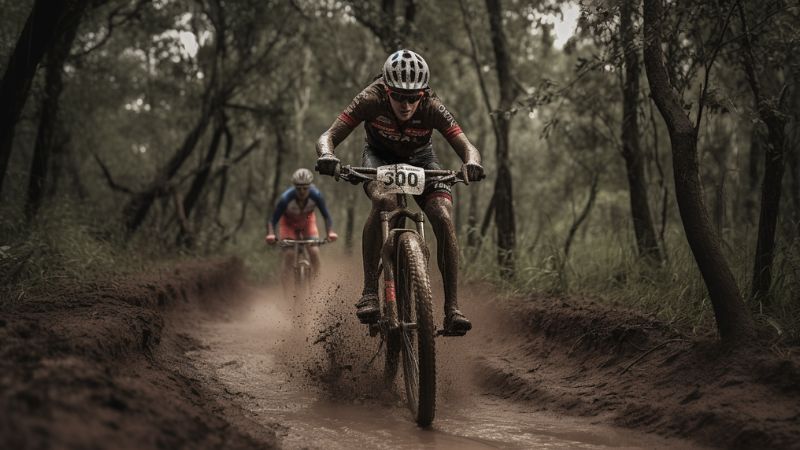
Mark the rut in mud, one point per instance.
(314, 369)
(191, 357)
(97, 365)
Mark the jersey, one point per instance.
(386, 133)
(291, 214)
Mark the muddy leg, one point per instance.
(440, 213)
(371, 237)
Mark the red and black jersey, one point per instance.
(384, 131)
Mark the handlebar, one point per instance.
(361, 174)
(292, 242)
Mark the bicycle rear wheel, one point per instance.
(414, 307)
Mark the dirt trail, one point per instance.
(324, 395)
(189, 357)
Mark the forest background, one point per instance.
(649, 160)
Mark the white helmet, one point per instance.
(302, 177)
(405, 69)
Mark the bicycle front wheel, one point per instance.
(415, 311)
(302, 280)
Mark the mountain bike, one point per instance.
(302, 264)
(406, 324)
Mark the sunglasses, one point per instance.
(405, 98)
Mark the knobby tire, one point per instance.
(415, 305)
(394, 344)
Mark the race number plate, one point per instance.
(402, 179)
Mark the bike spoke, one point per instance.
(411, 378)
(411, 352)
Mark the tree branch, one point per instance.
(111, 183)
(710, 65)
(111, 24)
(476, 61)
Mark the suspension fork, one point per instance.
(389, 252)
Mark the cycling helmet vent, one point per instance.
(302, 177)
(405, 69)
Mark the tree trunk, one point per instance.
(48, 123)
(573, 229)
(768, 218)
(773, 170)
(757, 145)
(198, 184)
(389, 27)
(646, 241)
(301, 102)
(719, 204)
(44, 26)
(62, 161)
(734, 322)
(280, 155)
(793, 146)
(503, 191)
(473, 237)
(223, 184)
(136, 209)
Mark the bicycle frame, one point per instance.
(388, 252)
(300, 248)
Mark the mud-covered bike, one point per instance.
(406, 324)
(302, 269)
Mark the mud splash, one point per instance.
(307, 367)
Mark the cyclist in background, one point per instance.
(400, 111)
(295, 219)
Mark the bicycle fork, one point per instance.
(389, 259)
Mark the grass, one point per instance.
(605, 267)
(68, 242)
(64, 243)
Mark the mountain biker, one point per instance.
(400, 111)
(294, 216)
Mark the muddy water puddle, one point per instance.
(274, 374)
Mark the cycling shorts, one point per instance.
(425, 158)
(303, 228)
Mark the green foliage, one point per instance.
(606, 268)
(66, 244)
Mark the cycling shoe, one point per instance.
(455, 324)
(368, 309)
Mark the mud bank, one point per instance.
(577, 357)
(94, 366)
